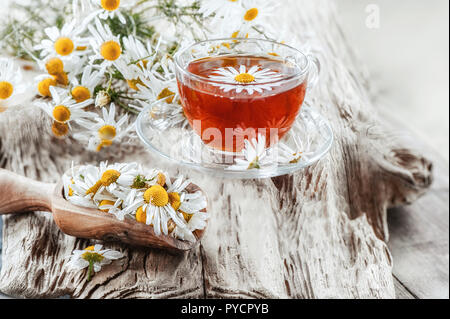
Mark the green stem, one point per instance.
(90, 269)
(126, 107)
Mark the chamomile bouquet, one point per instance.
(101, 62)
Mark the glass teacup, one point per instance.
(235, 89)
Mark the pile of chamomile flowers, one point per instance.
(152, 197)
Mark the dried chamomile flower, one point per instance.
(93, 257)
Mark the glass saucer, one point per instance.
(176, 141)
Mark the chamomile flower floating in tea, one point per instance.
(93, 258)
(11, 84)
(256, 76)
(127, 191)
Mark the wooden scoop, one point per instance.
(20, 194)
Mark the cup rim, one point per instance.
(184, 70)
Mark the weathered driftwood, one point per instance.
(318, 233)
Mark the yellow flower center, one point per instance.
(141, 215)
(166, 93)
(251, 14)
(108, 177)
(133, 84)
(70, 191)
(104, 143)
(61, 113)
(44, 86)
(156, 195)
(273, 53)
(161, 179)
(60, 129)
(90, 256)
(54, 66)
(110, 50)
(6, 90)
(106, 202)
(107, 132)
(254, 164)
(81, 94)
(110, 5)
(61, 78)
(187, 217)
(142, 65)
(244, 78)
(64, 46)
(175, 201)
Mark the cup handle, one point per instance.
(314, 72)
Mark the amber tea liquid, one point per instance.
(219, 107)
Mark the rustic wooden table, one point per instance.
(320, 233)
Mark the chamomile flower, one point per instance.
(79, 190)
(105, 131)
(135, 52)
(254, 12)
(11, 84)
(255, 155)
(109, 178)
(255, 79)
(132, 74)
(105, 9)
(43, 82)
(63, 108)
(301, 146)
(157, 210)
(105, 45)
(136, 58)
(93, 257)
(62, 43)
(154, 89)
(84, 89)
(159, 206)
(132, 200)
(190, 205)
(75, 187)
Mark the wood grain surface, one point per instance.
(318, 233)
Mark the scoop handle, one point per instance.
(19, 194)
